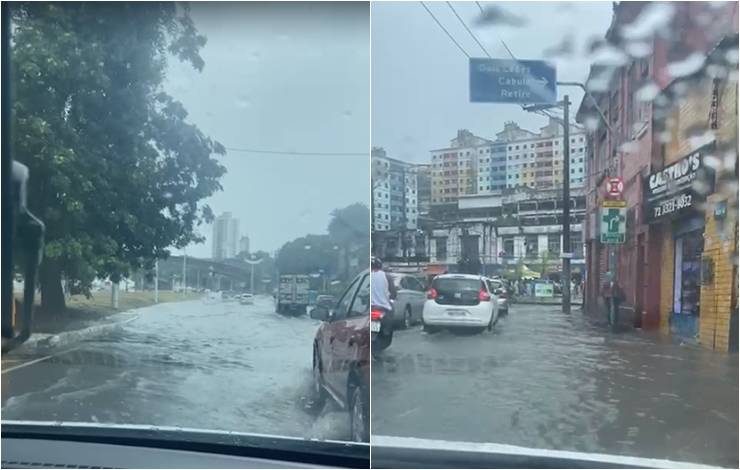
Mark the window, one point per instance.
(441, 248)
(361, 304)
(508, 243)
(530, 242)
(342, 308)
(553, 242)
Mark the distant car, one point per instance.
(503, 294)
(460, 300)
(325, 300)
(410, 298)
(341, 356)
(246, 299)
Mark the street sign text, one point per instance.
(512, 81)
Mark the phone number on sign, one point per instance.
(672, 205)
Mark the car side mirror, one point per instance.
(320, 313)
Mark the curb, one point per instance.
(43, 342)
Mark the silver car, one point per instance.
(410, 300)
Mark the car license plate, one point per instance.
(375, 327)
(456, 313)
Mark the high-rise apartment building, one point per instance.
(394, 193)
(244, 244)
(424, 187)
(535, 160)
(225, 236)
(455, 168)
(516, 158)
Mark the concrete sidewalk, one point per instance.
(43, 342)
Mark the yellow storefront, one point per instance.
(699, 243)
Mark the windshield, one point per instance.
(585, 154)
(188, 161)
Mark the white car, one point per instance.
(246, 299)
(460, 300)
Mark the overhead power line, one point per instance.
(502, 41)
(290, 152)
(468, 30)
(445, 30)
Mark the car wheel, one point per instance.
(359, 415)
(407, 322)
(318, 394)
(428, 328)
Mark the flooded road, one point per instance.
(543, 379)
(201, 364)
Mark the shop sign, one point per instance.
(671, 191)
(543, 289)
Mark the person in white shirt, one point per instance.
(380, 289)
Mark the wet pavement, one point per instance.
(547, 380)
(200, 364)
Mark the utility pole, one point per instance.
(565, 281)
(184, 258)
(156, 281)
(251, 280)
(404, 245)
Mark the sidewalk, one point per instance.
(556, 300)
(86, 318)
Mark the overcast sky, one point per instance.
(420, 78)
(287, 77)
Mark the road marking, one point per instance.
(408, 412)
(35, 361)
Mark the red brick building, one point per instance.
(630, 146)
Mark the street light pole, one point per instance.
(251, 280)
(156, 281)
(184, 282)
(566, 206)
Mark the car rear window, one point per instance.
(457, 291)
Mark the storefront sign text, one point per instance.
(670, 190)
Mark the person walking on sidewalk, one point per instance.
(613, 295)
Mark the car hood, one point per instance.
(391, 451)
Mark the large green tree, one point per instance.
(349, 228)
(309, 254)
(117, 173)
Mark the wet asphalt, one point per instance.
(200, 364)
(548, 380)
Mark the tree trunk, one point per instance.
(52, 295)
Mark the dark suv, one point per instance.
(341, 355)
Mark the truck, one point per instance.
(293, 294)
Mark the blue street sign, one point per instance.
(512, 81)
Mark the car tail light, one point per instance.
(376, 314)
(432, 293)
(484, 296)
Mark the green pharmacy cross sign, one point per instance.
(613, 224)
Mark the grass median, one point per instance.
(100, 302)
(82, 311)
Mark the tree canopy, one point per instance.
(117, 172)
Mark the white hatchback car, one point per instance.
(460, 300)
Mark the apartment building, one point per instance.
(394, 193)
(225, 241)
(455, 168)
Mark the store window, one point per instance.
(687, 272)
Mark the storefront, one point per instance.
(672, 200)
(688, 239)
